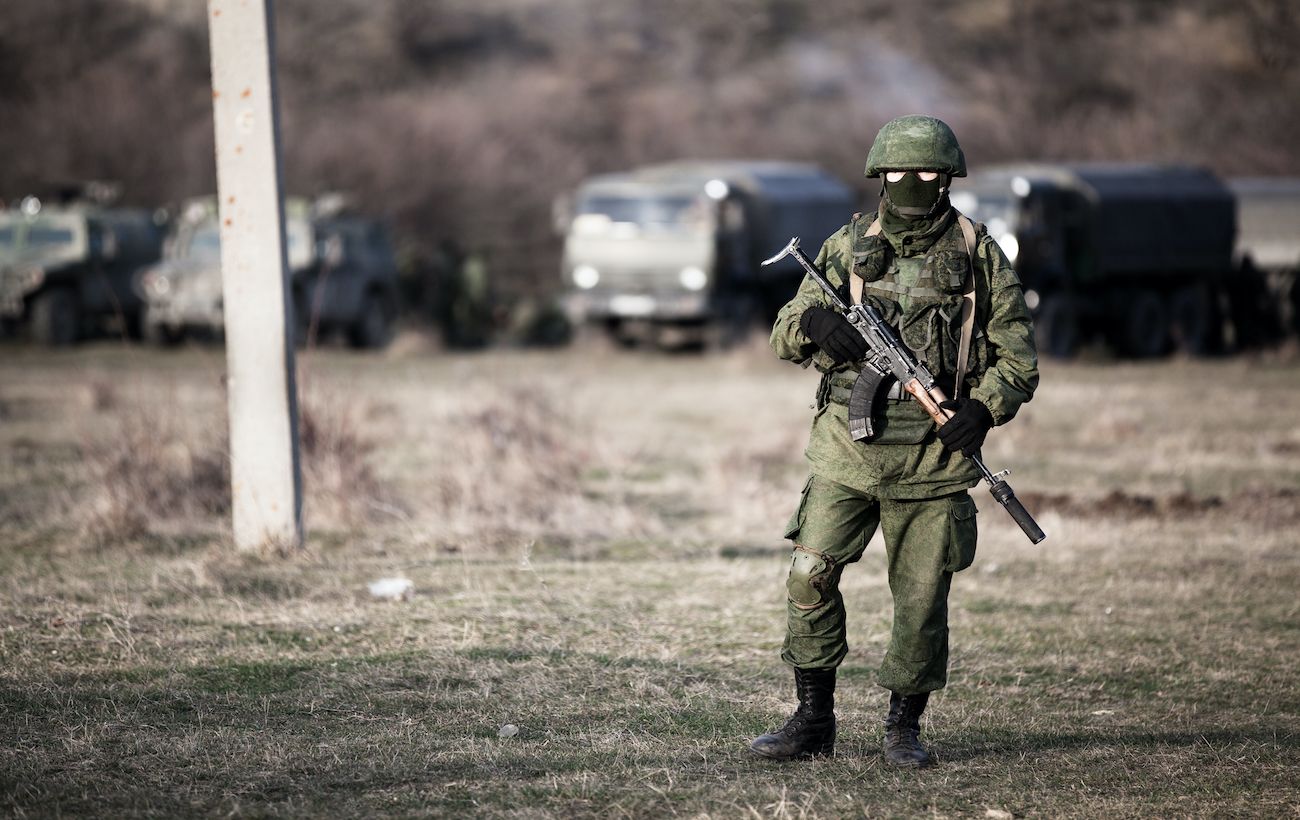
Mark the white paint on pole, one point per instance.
(265, 478)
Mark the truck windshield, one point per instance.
(43, 237)
(205, 245)
(601, 213)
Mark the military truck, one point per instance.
(1137, 254)
(1268, 255)
(68, 270)
(342, 273)
(672, 250)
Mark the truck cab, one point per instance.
(1134, 253)
(675, 248)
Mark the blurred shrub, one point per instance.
(158, 472)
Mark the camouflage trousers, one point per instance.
(926, 541)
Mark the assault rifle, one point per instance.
(888, 357)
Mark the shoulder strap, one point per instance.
(855, 281)
(967, 304)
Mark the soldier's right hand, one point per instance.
(830, 331)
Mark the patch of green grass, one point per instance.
(250, 679)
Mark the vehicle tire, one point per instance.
(1056, 328)
(373, 328)
(1192, 321)
(1290, 292)
(56, 318)
(158, 333)
(1252, 307)
(733, 326)
(1145, 333)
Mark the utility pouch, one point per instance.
(947, 269)
(870, 257)
(870, 252)
(962, 534)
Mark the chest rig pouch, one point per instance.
(930, 301)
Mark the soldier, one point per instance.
(914, 260)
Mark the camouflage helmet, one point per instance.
(914, 143)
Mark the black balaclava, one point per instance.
(913, 198)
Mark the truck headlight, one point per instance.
(586, 277)
(155, 284)
(33, 278)
(693, 278)
(1010, 246)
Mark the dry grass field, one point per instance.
(593, 539)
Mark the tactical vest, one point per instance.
(928, 291)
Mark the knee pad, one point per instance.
(811, 577)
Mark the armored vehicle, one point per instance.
(1136, 253)
(1268, 249)
(342, 273)
(68, 270)
(675, 248)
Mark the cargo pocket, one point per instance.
(796, 521)
(962, 533)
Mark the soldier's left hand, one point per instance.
(971, 421)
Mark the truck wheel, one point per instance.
(56, 318)
(1290, 297)
(1252, 308)
(1056, 328)
(1192, 321)
(733, 325)
(373, 327)
(160, 335)
(1146, 325)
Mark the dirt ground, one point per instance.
(593, 543)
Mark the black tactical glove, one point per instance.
(965, 431)
(831, 332)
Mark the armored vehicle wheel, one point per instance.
(160, 335)
(1192, 320)
(1056, 328)
(56, 318)
(1145, 329)
(373, 327)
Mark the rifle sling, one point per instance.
(967, 305)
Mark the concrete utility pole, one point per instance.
(266, 481)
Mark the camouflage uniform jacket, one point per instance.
(907, 460)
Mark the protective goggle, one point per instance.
(924, 176)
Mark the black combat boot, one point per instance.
(903, 728)
(811, 729)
